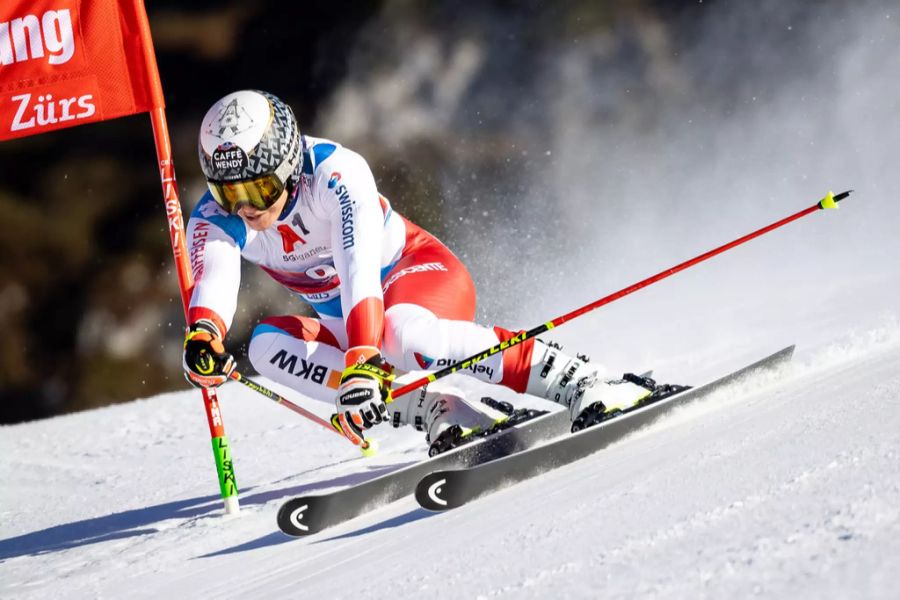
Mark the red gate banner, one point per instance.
(69, 62)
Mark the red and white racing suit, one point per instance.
(377, 282)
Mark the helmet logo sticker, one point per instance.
(241, 118)
(233, 120)
(229, 157)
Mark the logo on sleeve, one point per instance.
(347, 209)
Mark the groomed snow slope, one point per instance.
(783, 486)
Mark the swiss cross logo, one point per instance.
(289, 238)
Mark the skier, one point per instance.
(389, 296)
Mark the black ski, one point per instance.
(306, 515)
(446, 489)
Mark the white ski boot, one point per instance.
(446, 416)
(580, 386)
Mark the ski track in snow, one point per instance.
(783, 485)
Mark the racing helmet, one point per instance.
(250, 149)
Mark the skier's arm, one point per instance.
(357, 224)
(214, 241)
(214, 245)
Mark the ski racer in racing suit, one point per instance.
(389, 296)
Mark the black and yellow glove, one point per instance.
(362, 398)
(206, 363)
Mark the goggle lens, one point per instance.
(260, 193)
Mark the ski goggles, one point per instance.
(260, 193)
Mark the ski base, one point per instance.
(446, 489)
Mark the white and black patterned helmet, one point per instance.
(247, 135)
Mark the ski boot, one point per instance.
(449, 420)
(455, 435)
(579, 386)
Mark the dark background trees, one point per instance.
(464, 111)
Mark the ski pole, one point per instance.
(829, 201)
(367, 447)
(222, 456)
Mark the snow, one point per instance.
(785, 485)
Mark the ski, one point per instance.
(450, 488)
(307, 515)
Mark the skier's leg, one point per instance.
(582, 387)
(429, 300)
(430, 303)
(302, 353)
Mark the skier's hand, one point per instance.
(206, 363)
(362, 398)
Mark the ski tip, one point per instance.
(293, 519)
(431, 493)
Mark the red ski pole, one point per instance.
(221, 448)
(368, 447)
(829, 201)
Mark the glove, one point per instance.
(206, 363)
(362, 398)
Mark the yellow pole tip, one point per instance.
(371, 448)
(828, 201)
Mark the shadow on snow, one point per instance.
(140, 521)
(273, 539)
(414, 515)
(336, 482)
(276, 538)
(116, 526)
